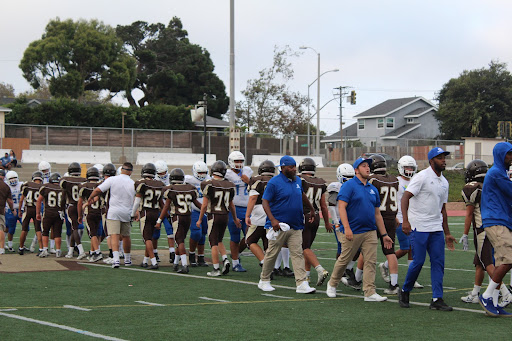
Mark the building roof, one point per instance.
(3, 109)
(349, 133)
(391, 105)
(419, 112)
(399, 132)
(212, 122)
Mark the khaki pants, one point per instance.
(368, 243)
(293, 238)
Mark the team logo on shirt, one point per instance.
(371, 191)
(298, 186)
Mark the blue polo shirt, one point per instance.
(285, 199)
(362, 200)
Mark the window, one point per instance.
(380, 123)
(360, 124)
(390, 122)
(410, 120)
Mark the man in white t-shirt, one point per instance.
(424, 217)
(122, 194)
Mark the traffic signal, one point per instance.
(353, 97)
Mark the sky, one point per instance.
(383, 49)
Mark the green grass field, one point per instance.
(135, 304)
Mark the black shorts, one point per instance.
(254, 234)
(217, 224)
(92, 222)
(483, 247)
(309, 232)
(147, 223)
(390, 225)
(53, 222)
(30, 213)
(180, 225)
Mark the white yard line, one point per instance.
(149, 303)
(270, 295)
(76, 308)
(213, 299)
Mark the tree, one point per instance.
(473, 103)
(269, 105)
(171, 70)
(6, 90)
(74, 57)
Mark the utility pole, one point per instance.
(342, 93)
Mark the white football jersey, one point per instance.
(334, 187)
(190, 179)
(16, 194)
(402, 186)
(241, 191)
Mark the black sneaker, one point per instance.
(21, 251)
(153, 267)
(277, 272)
(287, 272)
(192, 259)
(225, 267)
(201, 262)
(144, 265)
(440, 305)
(351, 282)
(157, 258)
(403, 298)
(175, 267)
(172, 255)
(349, 273)
(183, 270)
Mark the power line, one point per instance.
(396, 90)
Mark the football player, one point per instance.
(179, 198)
(54, 198)
(197, 235)
(46, 169)
(108, 171)
(315, 189)
(29, 195)
(146, 209)
(239, 174)
(12, 217)
(5, 197)
(218, 196)
(162, 174)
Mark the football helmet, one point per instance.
(267, 167)
(74, 169)
(475, 171)
(109, 169)
(177, 176)
(54, 178)
(148, 170)
(307, 165)
(45, 168)
(236, 156)
(378, 165)
(37, 175)
(200, 167)
(345, 172)
(11, 178)
(99, 167)
(407, 161)
(219, 168)
(92, 174)
(162, 173)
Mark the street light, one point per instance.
(123, 158)
(317, 100)
(309, 117)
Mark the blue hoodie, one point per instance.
(496, 204)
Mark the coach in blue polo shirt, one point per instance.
(282, 202)
(359, 206)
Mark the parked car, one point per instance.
(390, 161)
(458, 166)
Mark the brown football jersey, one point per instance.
(181, 196)
(258, 183)
(151, 191)
(472, 193)
(5, 193)
(30, 190)
(387, 185)
(219, 193)
(71, 185)
(54, 197)
(314, 188)
(85, 192)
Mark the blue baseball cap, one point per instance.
(360, 160)
(435, 152)
(287, 160)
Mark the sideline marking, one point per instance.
(149, 303)
(12, 309)
(76, 308)
(270, 295)
(214, 299)
(71, 329)
(405, 265)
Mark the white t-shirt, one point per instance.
(241, 191)
(402, 186)
(122, 194)
(430, 193)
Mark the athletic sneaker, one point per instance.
(287, 272)
(349, 273)
(201, 262)
(488, 306)
(239, 268)
(304, 288)
(183, 269)
(440, 305)
(97, 257)
(53, 251)
(331, 291)
(58, 254)
(152, 267)
(225, 267)
(214, 273)
(352, 283)
(470, 298)
(392, 290)
(384, 272)
(81, 256)
(265, 286)
(321, 277)
(69, 255)
(418, 286)
(277, 272)
(10, 249)
(2, 251)
(375, 298)
(121, 254)
(116, 264)
(21, 251)
(127, 263)
(192, 259)
(403, 299)
(505, 301)
(43, 254)
(144, 265)
(33, 245)
(175, 267)
(157, 257)
(172, 255)
(108, 260)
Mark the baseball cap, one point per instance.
(287, 160)
(435, 152)
(360, 160)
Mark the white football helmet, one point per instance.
(200, 167)
(45, 168)
(119, 170)
(407, 161)
(162, 172)
(12, 178)
(236, 156)
(345, 172)
(99, 167)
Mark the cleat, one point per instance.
(108, 260)
(265, 286)
(115, 264)
(121, 254)
(277, 272)
(33, 245)
(144, 265)
(69, 255)
(225, 267)
(331, 291)
(201, 261)
(505, 301)
(172, 256)
(175, 267)
(440, 305)
(352, 283)
(214, 273)
(239, 268)
(58, 254)
(349, 273)
(81, 256)
(97, 257)
(52, 251)
(488, 306)
(403, 299)
(152, 267)
(392, 290)
(43, 254)
(470, 298)
(384, 273)
(183, 270)
(21, 251)
(304, 288)
(192, 259)
(127, 263)
(157, 257)
(321, 277)
(375, 298)
(10, 249)
(287, 272)
(418, 286)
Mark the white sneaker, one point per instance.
(384, 273)
(81, 256)
(53, 251)
(108, 260)
(58, 254)
(505, 300)
(265, 286)
(2, 251)
(321, 277)
(127, 263)
(215, 273)
(331, 291)
(418, 286)
(375, 298)
(33, 245)
(43, 254)
(69, 255)
(470, 298)
(115, 264)
(304, 288)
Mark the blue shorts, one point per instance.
(198, 234)
(168, 229)
(11, 219)
(403, 239)
(68, 224)
(233, 230)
